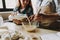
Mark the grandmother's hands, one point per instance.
(35, 17)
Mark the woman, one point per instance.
(47, 14)
(24, 7)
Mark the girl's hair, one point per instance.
(29, 4)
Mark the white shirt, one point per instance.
(36, 5)
(45, 2)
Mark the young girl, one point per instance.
(24, 7)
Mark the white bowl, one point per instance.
(20, 16)
(35, 37)
(29, 28)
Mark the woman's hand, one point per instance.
(35, 17)
(31, 18)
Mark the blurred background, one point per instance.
(6, 7)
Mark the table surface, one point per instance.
(39, 31)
